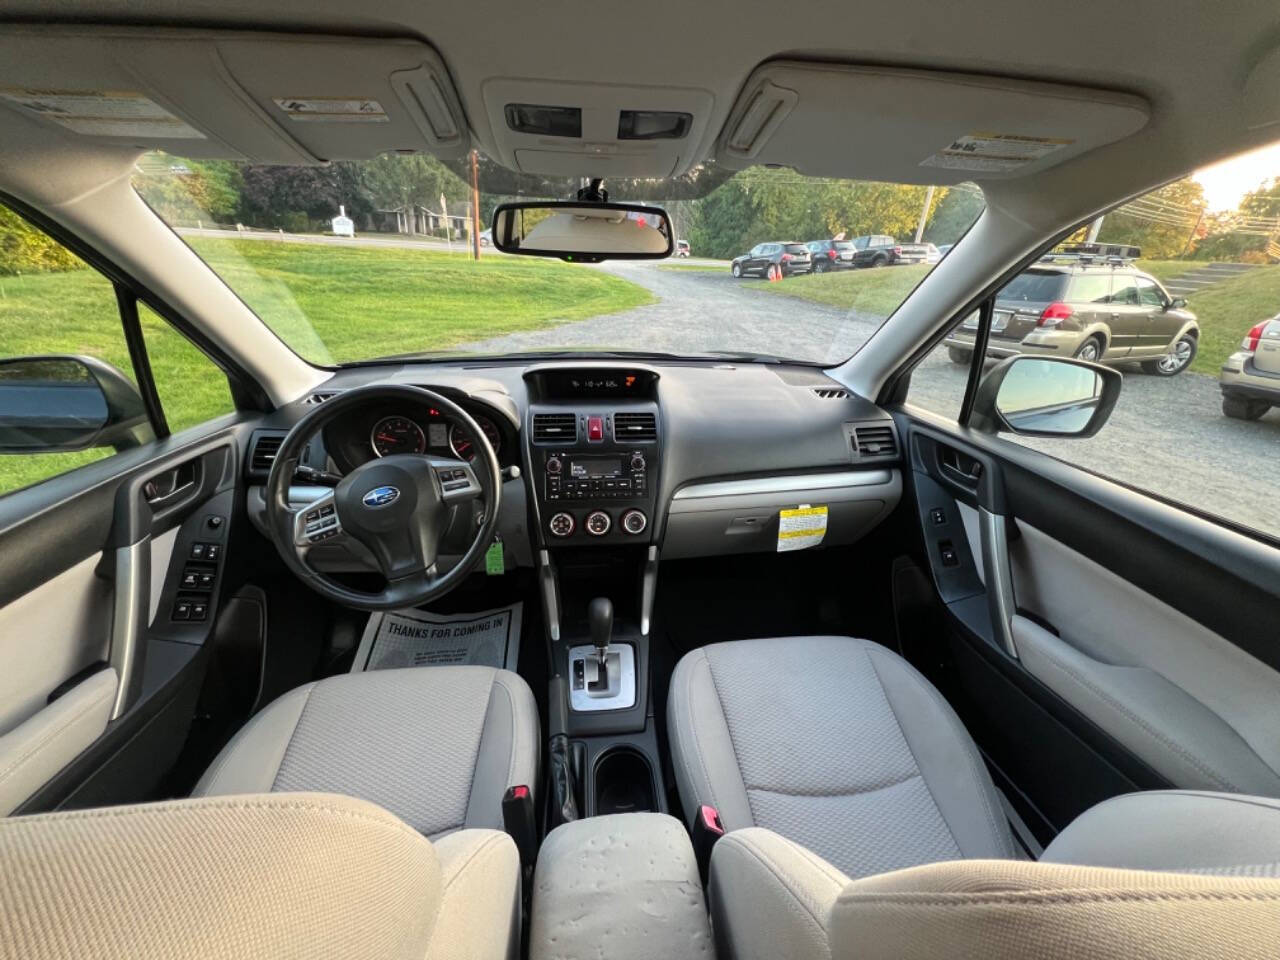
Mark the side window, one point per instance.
(1126, 290)
(68, 386)
(1149, 294)
(1090, 288)
(860, 243)
(1197, 422)
(192, 388)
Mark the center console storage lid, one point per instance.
(621, 886)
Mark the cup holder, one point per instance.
(623, 782)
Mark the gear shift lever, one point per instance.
(600, 621)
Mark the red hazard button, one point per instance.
(595, 429)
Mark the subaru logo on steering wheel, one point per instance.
(381, 496)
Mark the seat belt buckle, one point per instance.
(707, 829)
(518, 821)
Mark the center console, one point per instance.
(593, 448)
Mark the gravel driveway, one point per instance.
(1166, 435)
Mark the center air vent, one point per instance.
(320, 396)
(262, 451)
(634, 427)
(831, 393)
(875, 441)
(555, 427)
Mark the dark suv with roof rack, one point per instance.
(1090, 302)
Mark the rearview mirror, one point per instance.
(63, 403)
(1045, 397)
(583, 232)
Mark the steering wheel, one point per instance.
(397, 506)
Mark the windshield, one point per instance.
(391, 257)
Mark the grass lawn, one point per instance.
(868, 290)
(1226, 310)
(335, 304)
(360, 303)
(695, 267)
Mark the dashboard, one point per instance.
(692, 458)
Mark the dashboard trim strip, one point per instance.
(808, 481)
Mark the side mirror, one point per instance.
(583, 232)
(1045, 397)
(1177, 303)
(63, 403)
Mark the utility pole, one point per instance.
(475, 206)
(1192, 235)
(924, 214)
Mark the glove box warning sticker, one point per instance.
(805, 526)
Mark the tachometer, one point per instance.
(397, 435)
(461, 444)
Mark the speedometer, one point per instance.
(461, 444)
(397, 435)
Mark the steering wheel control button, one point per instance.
(562, 524)
(597, 523)
(634, 522)
(382, 496)
(595, 429)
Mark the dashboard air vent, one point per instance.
(831, 393)
(634, 427)
(263, 450)
(875, 441)
(320, 396)
(555, 427)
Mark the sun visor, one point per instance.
(913, 126)
(558, 128)
(262, 97)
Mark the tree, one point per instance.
(954, 213)
(1160, 222)
(24, 249)
(189, 190)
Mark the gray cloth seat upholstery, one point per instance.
(836, 744)
(435, 746)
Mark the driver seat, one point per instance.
(436, 746)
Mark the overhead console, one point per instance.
(594, 442)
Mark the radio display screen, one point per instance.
(595, 467)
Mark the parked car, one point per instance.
(773, 260)
(682, 248)
(486, 237)
(932, 253)
(883, 251)
(1250, 378)
(1102, 311)
(830, 254)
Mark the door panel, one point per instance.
(1195, 707)
(1140, 631)
(90, 653)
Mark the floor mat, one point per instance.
(419, 638)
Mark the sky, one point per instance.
(1226, 182)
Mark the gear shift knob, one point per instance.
(600, 620)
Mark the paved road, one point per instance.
(1165, 435)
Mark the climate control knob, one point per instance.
(637, 461)
(554, 465)
(562, 524)
(634, 522)
(597, 523)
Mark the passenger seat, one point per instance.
(836, 744)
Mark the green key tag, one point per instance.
(494, 563)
